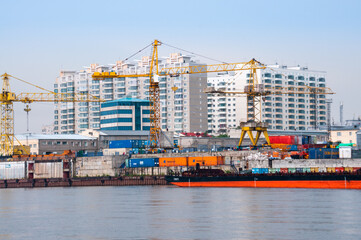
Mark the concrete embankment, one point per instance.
(81, 182)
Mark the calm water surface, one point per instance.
(166, 212)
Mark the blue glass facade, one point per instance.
(113, 115)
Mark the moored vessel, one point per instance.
(218, 178)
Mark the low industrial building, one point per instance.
(104, 137)
(344, 134)
(57, 143)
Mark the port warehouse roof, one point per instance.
(53, 137)
(124, 133)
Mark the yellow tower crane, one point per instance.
(155, 72)
(254, 92)
(7, 98)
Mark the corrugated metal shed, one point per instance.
(12, 170)
(32, 136)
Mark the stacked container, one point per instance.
(142, 162)
(323, 153)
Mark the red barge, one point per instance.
(218, 178)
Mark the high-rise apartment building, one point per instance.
(282, 112)
(182, 101)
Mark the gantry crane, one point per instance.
(254, 92)
(155, 72)
(7, 98)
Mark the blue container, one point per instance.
(135, 143)
(263, 170)
(143, 162)
(293, 148)
(256, 170)
(299, 170)
(305, 140)
(121, 144)
(323, 153)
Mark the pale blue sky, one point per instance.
(39, 38)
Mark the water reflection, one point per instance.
(179, 213)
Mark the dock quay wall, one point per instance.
(98, 166)
(81, 182)
(307, 163)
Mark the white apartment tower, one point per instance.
(282, 112)
(183, 103)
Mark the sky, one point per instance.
(38, 39)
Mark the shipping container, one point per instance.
(348, 169)
(331, 169)
(48, 170)
(12, 170)
(323, 153)
(314, 169)
(306, 170)
(291, 170)
(115, 151)
(143, 162)
(305, 140)
(263, 170)
(280, 146)
(307, 146)
(220, 160)
(202, 161)
(339, 169)
(121, 144)
(322, 169)
(173, 162)
(284, 170)
(293, 148)
(128, 144)
(273, 170)
(256, 170)
(345, 152)
(299, 170)
(289, 140)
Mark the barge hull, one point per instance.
(338, 184)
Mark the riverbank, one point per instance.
(81, 182)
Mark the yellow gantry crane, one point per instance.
(255, 92)
(155, 72)
(7, 98)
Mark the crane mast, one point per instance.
(154, 97)
(7, 117)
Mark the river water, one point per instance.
(167, 212)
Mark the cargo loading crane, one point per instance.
(155, 72)
(254, 93)
(7, 98)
